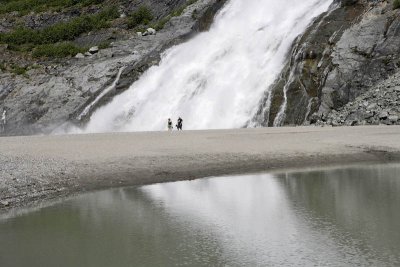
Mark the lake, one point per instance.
(332, 217)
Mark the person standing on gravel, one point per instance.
(170, 125)
(179, 125)
(3, 121)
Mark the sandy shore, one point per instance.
(37, 168)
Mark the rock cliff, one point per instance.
(343, 55)
(48, 93)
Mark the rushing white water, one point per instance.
(101, 95)
(217, 79)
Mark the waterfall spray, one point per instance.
(216, 79)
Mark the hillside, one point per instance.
(48, 76)
(60, 60)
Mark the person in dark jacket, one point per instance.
(179, 125)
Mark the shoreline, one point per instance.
(41, 168)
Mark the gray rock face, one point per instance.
(51, 95)
(384, 107)
(354, 47)
(348, 2)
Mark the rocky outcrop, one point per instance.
(343, 54)
(51, 94)
(379, 105)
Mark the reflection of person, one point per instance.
(3, 120)
(169, 125)
(179, 125)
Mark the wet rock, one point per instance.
(356, 48)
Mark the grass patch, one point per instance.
(177, 12)
(142, 16)
(26, 6)
(396, 4)
(104, 44)
(18, 70)
(161, 23)
(59, 50)
(65, 31)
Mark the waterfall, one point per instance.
(217, 79)
(89, 107)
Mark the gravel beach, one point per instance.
(33, 169)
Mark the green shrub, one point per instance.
(64, 31)
(177, 12)
(396, 4)
(59, 50)
(18, 69)
(20, 36)
(141, 16)
(161, 23)
(195, 14)
(26, 6)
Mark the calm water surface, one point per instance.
(339, 217)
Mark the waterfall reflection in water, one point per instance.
(340, 217)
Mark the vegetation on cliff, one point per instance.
(33, 34)
(61, 31)
(396, 4)
(27, 6)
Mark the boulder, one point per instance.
(393, 118)
(94, 50)
(383, 115)
(149, 31)
(372, 106)
(4, 203)
(80, 55)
